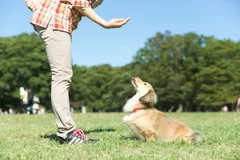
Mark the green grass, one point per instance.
(33, 137)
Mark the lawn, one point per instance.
(33, 137)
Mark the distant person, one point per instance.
(30, 100)
(24, 95)
(225, 108)
(35, 106)
(238, 105)
(55, 20)
(41, 110)
(10, 110)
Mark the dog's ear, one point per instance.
(148, 99)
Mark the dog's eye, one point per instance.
(145, 84)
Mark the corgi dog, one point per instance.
(147, 123)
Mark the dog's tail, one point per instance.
(196, 137)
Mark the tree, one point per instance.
(194, 71)
(23, 63)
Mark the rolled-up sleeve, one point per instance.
(30, 4)
(81, 3)
(85, 3)
(96, 3)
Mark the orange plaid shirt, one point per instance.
(66, 16)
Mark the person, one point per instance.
(30, 100)
(225, 108)
(54, 20)
(238, 105)
(24, 95)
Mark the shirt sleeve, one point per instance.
(31, 5)
(96, 3)
(83, 3)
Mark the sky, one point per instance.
(94, 45)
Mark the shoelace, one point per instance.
(80, 134)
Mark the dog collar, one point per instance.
(137, 109)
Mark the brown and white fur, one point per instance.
(147, 123)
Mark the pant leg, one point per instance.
(58, 48)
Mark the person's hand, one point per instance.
(92, 15)
(116, 23)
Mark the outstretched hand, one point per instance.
(92, 15)
(116, 23)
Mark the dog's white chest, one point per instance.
(132, 116)
(127, 118)
(131, 103)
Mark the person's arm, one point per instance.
(92, 15)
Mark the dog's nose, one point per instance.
(134, 76)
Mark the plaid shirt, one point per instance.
(66, 16)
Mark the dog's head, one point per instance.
(147, 95)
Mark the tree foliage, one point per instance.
(23, 63)
(194, 71)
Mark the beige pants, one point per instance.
(58, 48)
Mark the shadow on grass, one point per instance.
(98, 130)
(129, 138)
(53, 137)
